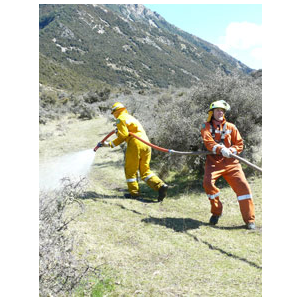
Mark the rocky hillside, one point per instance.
(84, 46)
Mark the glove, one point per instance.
(233, 150)
(106, 144)
(226, 152)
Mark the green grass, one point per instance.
(150, 249)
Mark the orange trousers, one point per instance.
(235, 177)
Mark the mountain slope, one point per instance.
(123, 45)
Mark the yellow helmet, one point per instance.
(117, 106)
(219, 104)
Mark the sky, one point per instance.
(234, 28)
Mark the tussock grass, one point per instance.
(150, 249)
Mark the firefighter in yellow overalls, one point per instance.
(138, 154)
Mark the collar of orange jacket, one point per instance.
(216, 123)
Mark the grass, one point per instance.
(150, 249)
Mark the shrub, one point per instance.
(244, 94)
(56, 103)
(175, 122)
(59, 270)
(97, 96)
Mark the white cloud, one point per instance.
(244, 42)
(257, 53)
(241, 36)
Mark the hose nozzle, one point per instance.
(98, 146)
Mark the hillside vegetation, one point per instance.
(122, 45)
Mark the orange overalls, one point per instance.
(214, 135)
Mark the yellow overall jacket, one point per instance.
(138, 154)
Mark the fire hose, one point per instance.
(100, 144)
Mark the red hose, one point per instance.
(111, 133)
(194, 153)
(174, 151)
(149, 144)
(154, 146)
(101, 143)
(170, 150)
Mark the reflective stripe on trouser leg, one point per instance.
(247, 210)
(237, 180)
(212, 191)
(152, 180)
(216, 204)
(133, 186)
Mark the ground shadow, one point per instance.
(177, 224)
(182, 225)
(210, 246)
(96, 196)
(181, 186)
(185, 224)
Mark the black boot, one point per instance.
(162, 193)
(129, 196)
(214, 220)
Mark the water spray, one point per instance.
(75, 166)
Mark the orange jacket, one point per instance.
(232, 140)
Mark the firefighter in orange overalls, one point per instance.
(138, 154)
(223, 138)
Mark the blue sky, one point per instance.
(235, 28)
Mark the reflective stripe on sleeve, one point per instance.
(244, 197)
(214, 149)
(113, 145)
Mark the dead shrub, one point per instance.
(60, 272)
